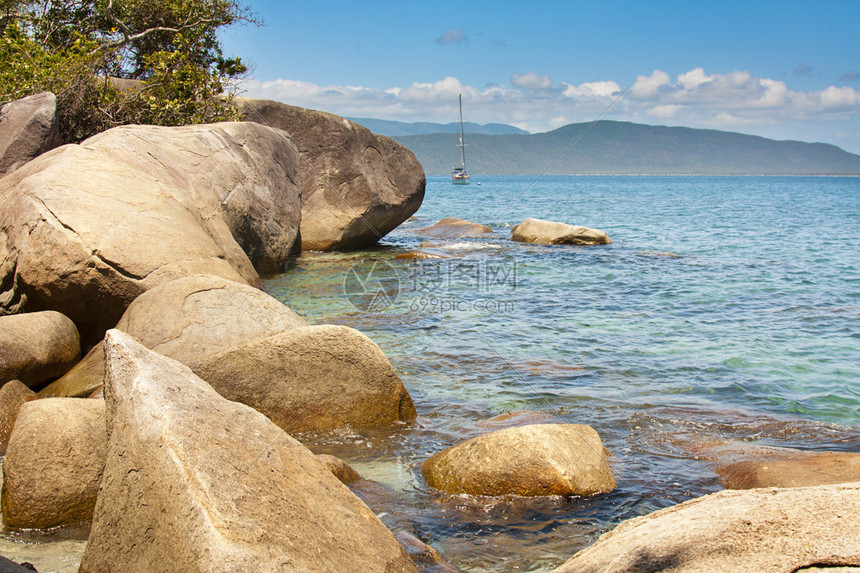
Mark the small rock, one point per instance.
(54, 463)
(341, 470)
(425, 557)
(37, 347)
(795, 469)
(543, 459)
(13, 395)
(553, 233)
(453, 228)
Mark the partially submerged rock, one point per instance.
(54, 462)
(37, 347)
(28, 128)
(554, 233)
(188, 320)
(792, 469)
(194, 482)
(757, 530)
(312, 378)
(544, 459)
(356, 186)
(13, 395)
(453, 228)
(339, 468)
(85, 229)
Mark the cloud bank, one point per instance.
(734, 101)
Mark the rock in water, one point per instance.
(544, 459)
(54, 463)
(194, 482)
(793, 469)
(312, 378)
(187, 319)
(85, 229)
(453, 228)
(28, 128)
(553, 233)
(37, 347)
(779, 530)
(356, 186)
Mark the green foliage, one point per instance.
(75, 47)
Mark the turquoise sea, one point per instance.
(722, 318)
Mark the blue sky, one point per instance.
(787, 69)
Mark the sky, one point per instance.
(783, 69)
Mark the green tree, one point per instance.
(82, 50)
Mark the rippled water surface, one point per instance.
(723, 315)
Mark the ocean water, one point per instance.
(722, 319)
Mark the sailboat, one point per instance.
(459, 175)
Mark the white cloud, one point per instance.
(648, 87)
(735, 100)
(591, 89)
(531, 81)
(454, 36)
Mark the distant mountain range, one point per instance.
(398, 128)
(612, 147)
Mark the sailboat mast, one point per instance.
(462, 144)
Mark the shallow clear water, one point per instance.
(724, 314)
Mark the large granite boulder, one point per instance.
(750, 531)
(312, 378)
(85, 229)
(28, 128)
(13, 395)
(54, 462)
(187, 319)
(453, 228)
(542, 459)
(554, 233)
(791, 469)
(195, 482)
(37, 347)
(356, 186)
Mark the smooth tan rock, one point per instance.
(794, 469)
(312, 378)
(54, 462)
(85, 229)
(13, 395)
(356, 186)
(554, 233)
(37, 347)
(341, 470)
(187, 319)
(194, 482)
(544, 459)
(28, 127)
(453, 228)
(418, 254)
(752, 531)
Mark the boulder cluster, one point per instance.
(150, 389)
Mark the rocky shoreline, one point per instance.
(142, 249)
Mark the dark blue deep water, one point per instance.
(723, 318)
